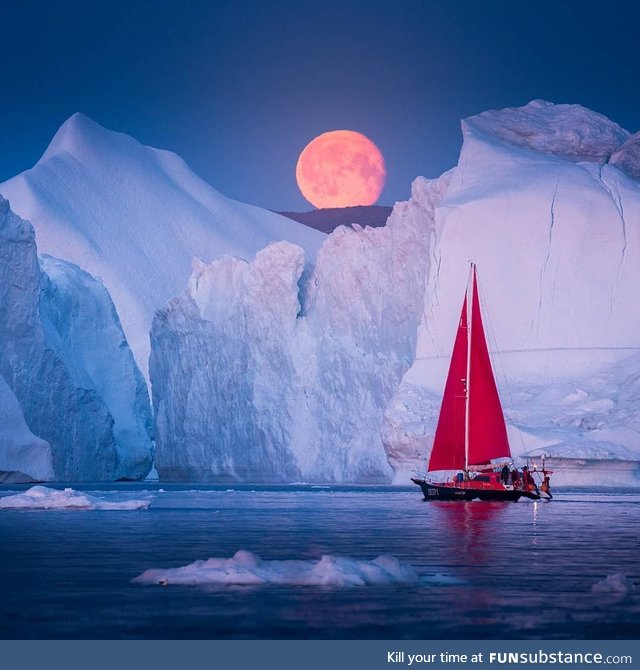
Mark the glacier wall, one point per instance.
(23, 456)
(256, 378)
(42, 361)
(81, 325)
(319, 359)
(217, 353)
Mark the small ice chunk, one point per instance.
(616, 584)
(248, 568)
(44, 498)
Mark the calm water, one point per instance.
(527, 568)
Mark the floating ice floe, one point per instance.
(42, 497)
(616, 584)
(246, 568)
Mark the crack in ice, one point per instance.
(546, 260)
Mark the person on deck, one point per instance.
(545, 486)
(528, 481)
(515, 479)
(504, 474)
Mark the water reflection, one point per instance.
(528, 568)
(472, 528)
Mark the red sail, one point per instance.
(487, 431)
(448, 444)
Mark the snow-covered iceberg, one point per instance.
(247, 568)
(65, 359)
(135, 216)
(555, 231)
(44, 498)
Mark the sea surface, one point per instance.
(511, 570)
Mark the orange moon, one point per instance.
(341, 168)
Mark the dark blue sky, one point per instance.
(239, 88)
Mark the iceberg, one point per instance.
(296, 356)
(554, 228)
(135, 216)
(337, 376)
(221, 356)
(65, 359)
(82, 327)
(257, 378)
(23, 456)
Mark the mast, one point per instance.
(468, 373)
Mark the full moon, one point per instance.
(341, 168)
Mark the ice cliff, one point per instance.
(67, 370)
(221, 368)
(254, 378)
(23, 456)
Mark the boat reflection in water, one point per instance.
(474, 529)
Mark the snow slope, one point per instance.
(66, 361)
(135, 217)
(555, 232)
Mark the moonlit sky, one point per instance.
(239, 88)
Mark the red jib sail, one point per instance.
(470, 364)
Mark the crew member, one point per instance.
(545, 486)
(528, 481)
(504, 474)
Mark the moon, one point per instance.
(341, 168)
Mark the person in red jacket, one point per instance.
(528, 481)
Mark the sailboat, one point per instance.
(471, 434)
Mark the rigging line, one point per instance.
(504, 374)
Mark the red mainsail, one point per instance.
(470, 431)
